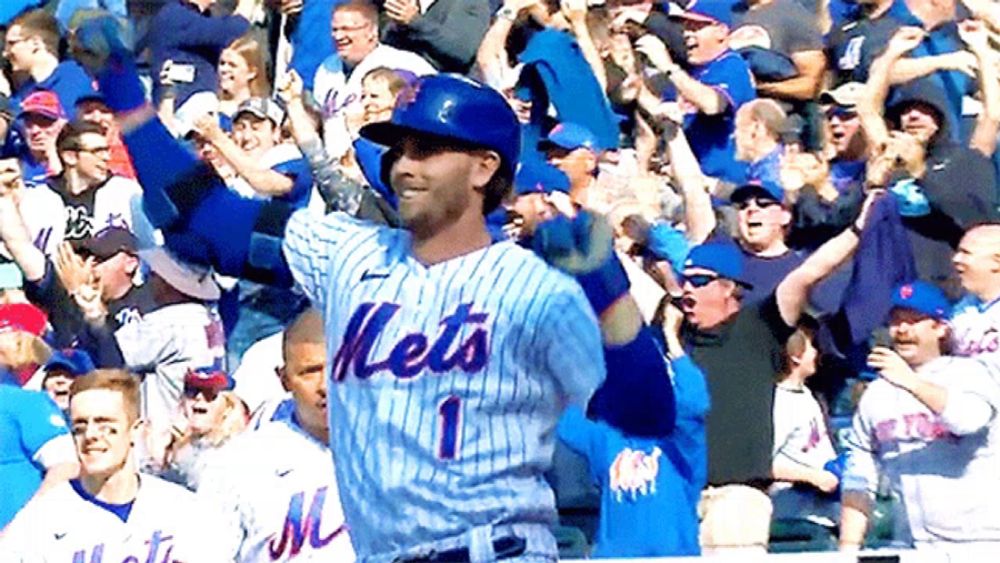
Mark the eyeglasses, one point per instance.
(841, 113)
(193, 392)
(760, 202)
(700, 280)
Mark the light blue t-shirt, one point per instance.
(28, 421)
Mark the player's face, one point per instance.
(57, 386)
(761, 223)
(916, 337)
(437, 183)
(102, 430)
(204, 409)
(977, 261)
(707, 298)
(304, 376)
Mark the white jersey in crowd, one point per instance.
(800, 437)
(44, 217)
(445, 382)
(112, 207)
(945, 467)
(166, 523)
(276, 489)
(976, 331)
(337, 90)
(162, 346)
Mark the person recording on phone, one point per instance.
(929, 424)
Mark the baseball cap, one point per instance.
(92, 96)
(189, 279)
(73, 361)
(44, 103)
(712, 11)
(846, 95)
(922, 297)
(264, 108)
(22, 317)
(538, 176)
(210, 379)
(569, 136)
(107, 242)
(723, 258)
(766, 189)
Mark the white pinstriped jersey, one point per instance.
(277, 493)
(446, 382)
(167, 523)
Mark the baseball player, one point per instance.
(451, 357)
(111, 512)
(284, 505)
(976, 318)
(930, 424)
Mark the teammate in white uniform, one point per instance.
(284, 505)
(975, 320)
(930, 424)
(111, 513)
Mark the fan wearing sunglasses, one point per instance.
(212, 414)
(738, 345)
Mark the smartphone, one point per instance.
(179, 72)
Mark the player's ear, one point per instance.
(484, 168)
(282, 373)
(137, 431)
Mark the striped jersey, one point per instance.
(445, 381)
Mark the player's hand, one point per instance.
(576, 245)
(290, 7)
(893, 368)
(402, 11)
(518, 5)
(74, 272)
(655, 52)
(290, 88)
(207, 127)
(11, 182)
(89, 299)
(866, 208)
(575, 11)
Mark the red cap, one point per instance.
(22, 317)
(213, 379)
(44, 103)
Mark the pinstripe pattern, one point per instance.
(529, 344)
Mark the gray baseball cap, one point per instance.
(264, 108)
(190, 279)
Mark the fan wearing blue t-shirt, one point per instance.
(711, 90)
(650, 487)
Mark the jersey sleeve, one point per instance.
(312, 246)
(730, 76)
(144, 345)
(972, 398)
(40, 422)
(572, 345)
(579, 433)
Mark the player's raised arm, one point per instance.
(201, 219)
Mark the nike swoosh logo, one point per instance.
(283, 472)
(370, 275)
(60, 535)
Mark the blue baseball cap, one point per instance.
(758, 188)
(71, 360)
(535, 176)
(723, 258)
(711, 11)
(922, 297)
(569, 136)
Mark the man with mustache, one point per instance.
(929, 423)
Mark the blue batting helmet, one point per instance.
(454, 108)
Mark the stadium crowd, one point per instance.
(802, 193)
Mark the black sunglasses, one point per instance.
(700, 280)
(762, 203)
(209, 394)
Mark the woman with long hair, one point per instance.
(242, 74)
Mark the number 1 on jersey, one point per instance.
(450, 415)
